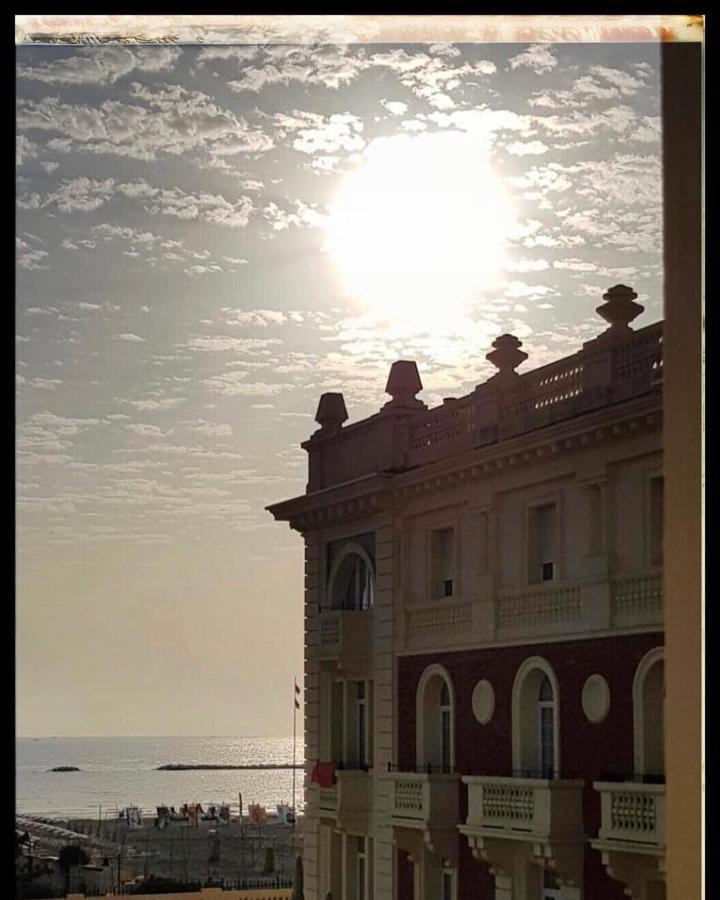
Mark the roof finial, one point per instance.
(619, 309)
(331, 412)
(506, 356)
(403, 384)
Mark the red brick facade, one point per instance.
(588, 751)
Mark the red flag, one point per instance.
(297, 689)
(297, 705)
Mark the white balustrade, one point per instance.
(632, 814)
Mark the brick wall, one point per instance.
(586, 750)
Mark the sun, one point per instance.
(420, 225)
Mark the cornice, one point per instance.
(379, 492)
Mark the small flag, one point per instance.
(297, 691)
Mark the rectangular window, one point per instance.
(442, 550)
(656, 521)
(361, 869)
(447, 885)
(361, 723)
(542, 543)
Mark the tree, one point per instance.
(71, 855)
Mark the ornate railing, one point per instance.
(423, 799)
(440, 620)
(637, 596)
(538, 607)
(632, 813)
(506, 802)
(537, 807)
(408, 798)
(603, 372)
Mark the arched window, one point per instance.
(351, 584)
(535, 720)
(546, 729)
(648, 714)
(435, 721)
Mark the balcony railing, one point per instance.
(349, 801)
(532, 808)
(538, 607)
(597, 376)
(632, 815)
(424, 800)
(637, 598)
(344, 635)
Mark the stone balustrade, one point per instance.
(632, 816)
(401, 436)
(532, 808)
(345, 638)
(424, 800)
(349, 801)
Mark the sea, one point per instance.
(117, 772)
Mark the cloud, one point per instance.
(303, 215)
(628, 85)
(172, 121)
(315, 133)
(24, 149)
(232, 384)
(32, 259)
(101, 65)
(538, 57)
(263, 318)
(76, 195)
(212, 208)
(130, 338)
(221, 343)
(329, 66)
(212, 429)
(154, 405)
(396, 107)
(533, 148)
(144, 429)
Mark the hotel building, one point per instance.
(484, 662)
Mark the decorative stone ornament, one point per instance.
(506, 356)
(596, 698)
(620, 308)
(483, 701)
(331, 412)
(403, 384)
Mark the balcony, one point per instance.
(632, 817)
(349, 801)
(632, 834)
(525, 809)
(345, 641)
(535, 819)
(424, 805)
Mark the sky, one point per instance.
(208, 238)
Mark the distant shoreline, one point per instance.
(183, 767)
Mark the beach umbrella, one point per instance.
(297, 891)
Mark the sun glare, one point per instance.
(420, 226)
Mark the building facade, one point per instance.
(484, 667)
